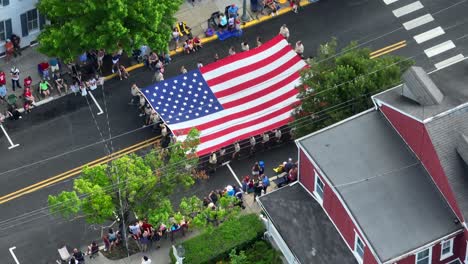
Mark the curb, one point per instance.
(205, 40)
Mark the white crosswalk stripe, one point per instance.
(387, 2)
(437, 49)
(407, 9)
(449, 61)
(418, 22)
(430, 34)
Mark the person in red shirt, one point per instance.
(9, 49)
(44, 66)
(2, 78)
(27, 82)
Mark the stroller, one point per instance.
(213, 21)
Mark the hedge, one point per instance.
(215, 245)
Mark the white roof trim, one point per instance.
(298, 141)
(445, 113)
(380, 103)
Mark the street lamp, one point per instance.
(244, 17)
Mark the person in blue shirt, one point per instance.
(265, 183)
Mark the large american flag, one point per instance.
(232, 99)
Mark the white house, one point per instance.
(19, 17)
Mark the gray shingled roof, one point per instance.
(389, 193)
(451, 82)
(445, 135)
(305, 227)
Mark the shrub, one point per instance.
(263, 253)
(216, 244)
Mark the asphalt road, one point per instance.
(66, 133)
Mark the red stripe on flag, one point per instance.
(243, 136)
(241, 55)
(243, 125)
(249, 68)
(246, 112)
(252, 82)
(263, 92)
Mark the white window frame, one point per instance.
(429, 255)
(317, 194)
(449, 254)
(357, 238)
(33, 30)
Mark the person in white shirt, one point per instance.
(245, 46)
(145, 260)
(284, 31)
(299, 49)
(134, 91)
(15, 73)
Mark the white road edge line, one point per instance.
(98, 106)
(407, 9)
(428, 35)
(418, 22)
(449, 61)
(437, 49)
(234, 175)
(13, 254)
(387, 2)
(8, 138)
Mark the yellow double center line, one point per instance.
(387, 49)
(76, 171)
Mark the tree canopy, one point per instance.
(339, 85)
(78, 26)
(129, 183)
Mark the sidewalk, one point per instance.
(161, 255)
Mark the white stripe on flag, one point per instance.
(244, 119)
(264, 85)
(245, 62)
(242, 132)
(257, 73)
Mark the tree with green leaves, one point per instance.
(339, 85)
(129, 184)
(79, 26)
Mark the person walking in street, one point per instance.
(183, 70)
(135, 92)
(15, 73)
(299, 49)
(158, 76)
(245, 46)
(145, 260)
(232, 51)
(284, 31)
